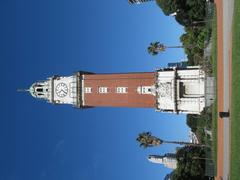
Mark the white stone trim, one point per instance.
(88, 90)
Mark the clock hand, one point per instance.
(63, 91)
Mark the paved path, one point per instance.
(227, 45)
(225, 18)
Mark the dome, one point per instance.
(39, 90)
(32, 90)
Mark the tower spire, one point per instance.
(23, 90)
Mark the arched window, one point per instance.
(40, 90)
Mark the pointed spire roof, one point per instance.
(30, 90)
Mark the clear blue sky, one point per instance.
(40, 38)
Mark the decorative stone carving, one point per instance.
(165, 90)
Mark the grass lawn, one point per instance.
(214, 107)
(235, 110)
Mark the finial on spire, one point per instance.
(22, 90)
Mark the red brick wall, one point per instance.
(112, 99)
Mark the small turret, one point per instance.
(56, 90)
(40, 90)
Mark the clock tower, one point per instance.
(56, 90)
(175, 89)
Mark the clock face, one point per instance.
(61, 89)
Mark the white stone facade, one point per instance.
(180, 90)
(56, 90)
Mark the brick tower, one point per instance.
(176, 90)
(119, 90)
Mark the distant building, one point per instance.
(173, 14)
(181, 64)
(193, 138)
(138, 1)
(208, 133)
(168, 160)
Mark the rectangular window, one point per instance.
(144, 90)
(88, 90)
(103, 90)
(121, 90)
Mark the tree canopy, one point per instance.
(187, 11)
(191, 164)
(147, 140)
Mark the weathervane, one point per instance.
(23, 90)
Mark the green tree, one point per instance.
(147, 140)
(194, 41)
(183, 18)
(168, 7)
(187, 11)
(190, 164)
(157, 47)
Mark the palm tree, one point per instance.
(147, 140)
(157, 47)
